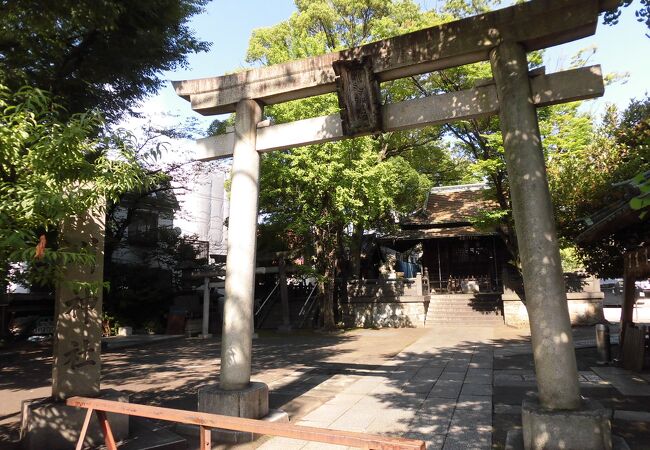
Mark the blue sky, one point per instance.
(228, 25)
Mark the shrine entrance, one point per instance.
(502, 37)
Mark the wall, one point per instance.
(584, 298)
(387, 312)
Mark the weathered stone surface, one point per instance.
(379, 314)
(480, 101)
(251, 402)
(586, 427)
(46, 424)
(515, 441)
(552, 340)
(585, 308)
(237, 331)
(622, 380)
(536, 25)
(78, 311)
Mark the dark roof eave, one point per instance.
(433, 225)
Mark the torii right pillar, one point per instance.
(558, 418)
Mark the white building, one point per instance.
(204, 209)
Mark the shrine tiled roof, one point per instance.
(451, 205)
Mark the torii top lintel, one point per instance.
(536, 24)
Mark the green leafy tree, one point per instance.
(59, 160)
(330, 194)
(51, 170)
(90, 54)
(618, 151)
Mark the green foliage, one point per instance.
(51, 170)
(571, 259)
(489, 219)
(642, 13)
(105, 54)
(324, 196)
(464, 8)
(218, 127)
(619, 151)
(641, 202)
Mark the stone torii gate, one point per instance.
(559, 418)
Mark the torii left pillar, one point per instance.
(236, 395)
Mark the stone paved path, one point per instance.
(439, 389)
(454, 387)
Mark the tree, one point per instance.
(465, 151)
(50, 170)
(326, 196)
(91, 56)
(618, 151)
(95, 54)
(642, 13)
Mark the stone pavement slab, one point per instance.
(439, 389)
(449, 386)
(624, 381)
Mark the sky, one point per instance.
(228, 25)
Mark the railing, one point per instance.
(207, 421)
(306, 307)
(454, 285)
(261, 314)
(267, 298)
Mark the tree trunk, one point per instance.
(4, 287)
(325, 265)
(355, 252)
(328, 302)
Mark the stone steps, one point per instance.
(460, 308)
(461, 320)
(464, 309)
(463, 314)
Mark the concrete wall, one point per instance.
(382, 288)
(389, 312)
(585, 308)
(584, 297)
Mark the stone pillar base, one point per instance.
(251, 402)
(587, 427)
(515, 441)
(46, 423)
